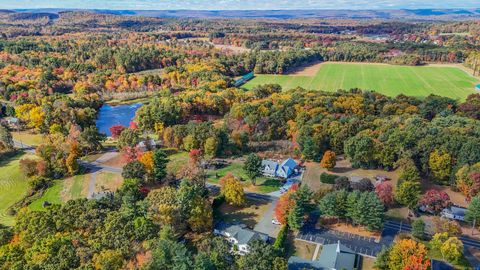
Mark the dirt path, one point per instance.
(91, 185)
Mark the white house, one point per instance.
(455, 213)
(239, 236)
(284, 170)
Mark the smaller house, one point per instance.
(477, 87)
(455, 213)
(239, 236)
(333, 257)
(12, 122)
(269, 168)
(283, 170)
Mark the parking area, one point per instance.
(362, 245)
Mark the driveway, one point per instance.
(265, 224)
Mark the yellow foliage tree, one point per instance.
(147, 160)
(440, 164)
(232, 189)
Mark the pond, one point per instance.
(109, 116)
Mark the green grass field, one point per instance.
(13, 186)
(386, 79)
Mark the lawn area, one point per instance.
(27, 137)
(263, 184)
(249, 214)
(51, 195)
(107, 181)
(75, 187)
(176, 161)
(302, 249)
(390, 80)
(13, 186)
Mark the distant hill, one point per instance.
(420, 14)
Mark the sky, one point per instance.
(238, 4)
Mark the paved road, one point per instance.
(265, 224)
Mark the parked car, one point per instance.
(276, 222)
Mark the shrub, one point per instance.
(281, 241)
(328, 178)
(38, 183)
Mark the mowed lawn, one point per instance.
(13, 186)
(390, 80)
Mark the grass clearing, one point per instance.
(13, 186)
(51, 195)
(263, 184)
(107, 181)
(27, 137)
(249, 214)
(390, 80)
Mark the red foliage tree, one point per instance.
(434, 200)
(133, 125)
(116, 130)
(130, 154)
(385, 193)
(195, 155)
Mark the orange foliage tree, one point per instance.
(285, 204)
(407, 254)
(329, 160)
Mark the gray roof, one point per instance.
(334, 256)
(270, 163)
(242, 234)
(457, 211)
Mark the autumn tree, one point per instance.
(384, 192)
(440, 164)
(451, 248)
(407, 253)
(253, 167)
(442, 225)
(467, 180)
(116, 130)
(108, 260)
(232, 189)
(408, 193)
(434, 201)
(211, 147)
(284, 205)
(329, 160)
(73, 154)
(147, 160)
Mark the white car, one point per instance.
(276, 222)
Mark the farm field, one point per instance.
(13, 186)
(390, 80)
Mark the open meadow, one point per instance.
(391, 80)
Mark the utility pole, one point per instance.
(473, 226)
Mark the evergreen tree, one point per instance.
(160, 162)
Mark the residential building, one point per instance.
(455, 213)
(284, 170)
(333, 257)
(239, 236)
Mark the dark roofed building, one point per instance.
(333, 257)
(239, 235)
